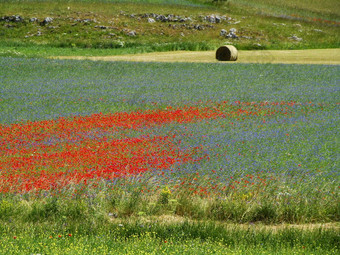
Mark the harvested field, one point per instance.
(319, 56)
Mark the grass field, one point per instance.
(158, 157)
(113, 28)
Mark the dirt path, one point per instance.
(175, 219)
(319, 56)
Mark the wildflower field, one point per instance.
(93, 155)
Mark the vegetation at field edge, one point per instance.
(111, 28)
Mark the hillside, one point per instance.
(114, 27)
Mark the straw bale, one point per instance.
(226, 53)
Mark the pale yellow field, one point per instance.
(319, 56)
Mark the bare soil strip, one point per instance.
(175, 219)
(318, 56)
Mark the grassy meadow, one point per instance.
(105, 27)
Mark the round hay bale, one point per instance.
(226, 53)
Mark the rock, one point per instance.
(17, 18)
(232, 30)
(33, 20)
(151, 20)
(218, 19)
(101, 27)
(223, 32)
(295, 38)
(47, 20)
(182, 34)
(198, 27)
(297, 25)
(210, 18)
(13, 18)
(231, 35)
(160, 17)
(132, 33)
(318, 30)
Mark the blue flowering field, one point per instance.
(250, 144)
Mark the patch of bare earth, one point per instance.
(177, 220)
(318, 56)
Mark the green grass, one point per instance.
(328, 9)
(271, 29)
(185, 238)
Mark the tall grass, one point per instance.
(127, 198)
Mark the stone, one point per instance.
(223, 32)
(33, 20)
(210, 18)
(47, 20)
(198, 27)
(232, 30)
(231, 35)
(132, 33)
(295, 38)
(218, 19)
(13, 18)
(151, 20)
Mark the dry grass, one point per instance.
(319, 56)
(176, 219)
